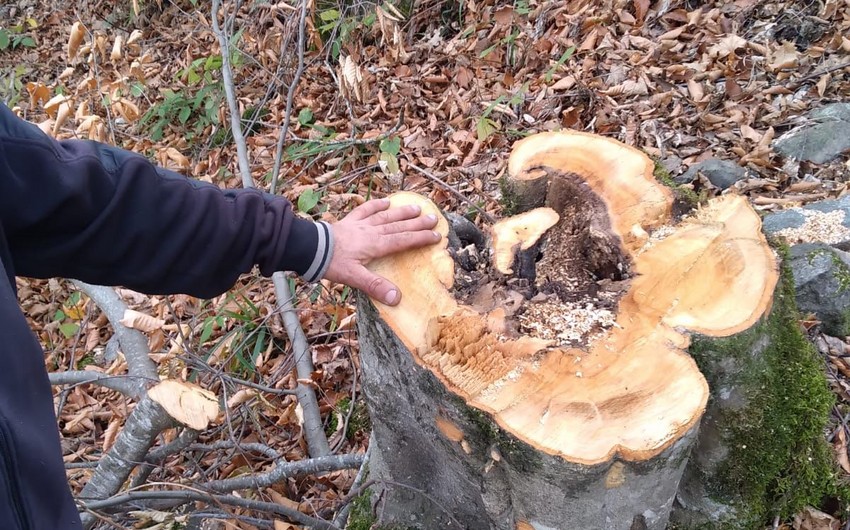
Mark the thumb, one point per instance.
(375, 286)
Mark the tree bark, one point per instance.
(407, 404)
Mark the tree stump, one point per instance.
(544, 383)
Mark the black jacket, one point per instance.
(83, 210)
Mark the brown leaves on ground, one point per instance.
(683, 81)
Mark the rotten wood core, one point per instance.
(621, 382)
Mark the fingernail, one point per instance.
(431, 217)
(415, 209)
(437, 235)
(392, 296)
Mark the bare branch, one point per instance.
(147, 420)
(130, 386)
(290, 95)
(284, 470)
(448, 187)
(133, 342)
(193, 496)
(317, 442)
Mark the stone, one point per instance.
(822, 279)
(826, 221)
(824, 137)
(721, 173)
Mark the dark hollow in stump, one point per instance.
(566, 400)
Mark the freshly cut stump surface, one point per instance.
(581, 362)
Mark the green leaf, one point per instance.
(207, 330)
(213, 62)
(329, 15)
(487, 51)
(390, 163)
(192, 77)
(59, 316)
(27, 42)
(305, 116)
(4, 39)
(485, 127)
(564, 56)
(308, 200)
(185, 112)
(69, 330)
(390, 145)
(137, 89)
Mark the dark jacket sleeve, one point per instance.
(84, 210)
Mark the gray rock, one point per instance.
(721, 173)
(825, 136)
(822, 278)
(836, 234)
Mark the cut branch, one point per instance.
(133, 342)
(127, 385)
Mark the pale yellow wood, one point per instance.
(633, 391)
(519, 232)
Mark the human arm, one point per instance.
(85, 210)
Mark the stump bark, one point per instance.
(552, 389)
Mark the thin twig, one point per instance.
(342, 516)
(487, 217)
(284, 470)
(317, 442)
(813, 75)
(193, 496)
(290, 96)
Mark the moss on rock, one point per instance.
(684, 198)
(360, 517)
(769, 409)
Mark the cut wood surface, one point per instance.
(634, 391)
(624, 388)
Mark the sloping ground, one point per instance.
(426, 99)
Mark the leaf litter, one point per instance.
(683, 80)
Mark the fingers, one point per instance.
(394, 215)
(392, 243)
(375, 286)
(368, 209)
(423, 222)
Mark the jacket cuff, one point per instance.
(324, 253)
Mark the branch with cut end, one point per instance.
(127, 385)
(133, 342)
(317, 442)
(166, 405)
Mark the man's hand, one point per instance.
(371, 231)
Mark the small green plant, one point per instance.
(486, 126)
(11, 86)
(246, 339)
(308, 200)
(194, 111)
(337, 27)
(559, 63)
(390, 148)
(18, 36)
(68, 316)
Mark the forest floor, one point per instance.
(425, 96)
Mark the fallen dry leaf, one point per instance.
(137, 320)
(812, 519)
